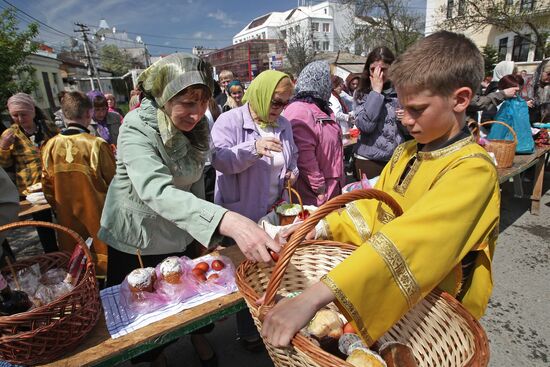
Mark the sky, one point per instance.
(165, 26)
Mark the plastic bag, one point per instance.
(184, 289)
(515, 113)
(140, 302)
(28, 279)
(49, 293)
(363, 184)
(223, 279)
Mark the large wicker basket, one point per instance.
(504, 150)
(45, 333)
(438, 329)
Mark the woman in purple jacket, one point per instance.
(254, 155)
(317, 135)
(254, 152)
(375, 109)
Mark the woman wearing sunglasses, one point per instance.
(317, 135)
(254, 156)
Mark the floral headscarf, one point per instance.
(314, 80)
(166, 78)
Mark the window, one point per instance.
(521, 48)
(297, 29)
(502, 49)
(283, 33)
(526, 5)
(326, 27)
(326, 45)
(315, 27)
(461, 7)
(316, 45)
(450, 6)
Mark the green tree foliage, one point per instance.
(390, 23)
(490, 57)
(15, 45)
(299, 50)
(528, 20)
(116, 61)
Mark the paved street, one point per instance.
(516, 321)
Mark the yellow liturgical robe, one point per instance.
(451, 203)
(76, 172)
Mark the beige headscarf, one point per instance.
(164, 80)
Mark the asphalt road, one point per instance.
(516, 321)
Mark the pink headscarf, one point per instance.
(22, 101)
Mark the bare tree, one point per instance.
(300, 48)
(529, 20)
(390, 23)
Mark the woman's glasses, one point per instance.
(278, 104)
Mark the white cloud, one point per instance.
(224, 18)
(202, 35)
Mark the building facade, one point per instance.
(508, 44)
(328, 25)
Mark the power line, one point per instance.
(37, 20)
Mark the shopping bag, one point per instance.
(515, 113)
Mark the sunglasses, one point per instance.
(278, 104)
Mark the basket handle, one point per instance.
(503, 124)
(68, 231)
(309, 224)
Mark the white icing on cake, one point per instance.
(170, 265)
(140, 277)
(288, 209)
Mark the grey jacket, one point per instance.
(152, 204)
(380, 132)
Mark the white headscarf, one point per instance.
(501, 69)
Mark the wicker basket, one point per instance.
(504, 150)
(45, 333)
(438, 329)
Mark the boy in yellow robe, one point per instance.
(448, 188)
(76, 171)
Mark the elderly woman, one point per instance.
(155, 201)
(20, 147)
(317, 135)
(254, 156)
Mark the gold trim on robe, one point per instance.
(358, 221)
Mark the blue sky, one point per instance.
(170, 23)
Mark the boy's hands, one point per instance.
(377, 80)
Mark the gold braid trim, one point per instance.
(396, 154)
(400, 189)
(352, 311)
(447, 150)
(358, 221)
(383, 216)
(398, 267)
(323, 230)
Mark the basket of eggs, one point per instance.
(438, 331)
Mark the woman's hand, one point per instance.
(510, 92)
(264, 146)
(377, 80)
(290, 177)
(251, 239)
(291, 314)
(7, 140)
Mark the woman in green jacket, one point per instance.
(155, 201)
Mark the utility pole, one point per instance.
(92, 71)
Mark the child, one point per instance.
(448, 188)
(76, 171)
(105, 124)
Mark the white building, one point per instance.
(329, 25)
(508, 44)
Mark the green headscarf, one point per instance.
(165, 79)
(259, 94)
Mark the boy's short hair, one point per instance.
(60, 95)
(225, 74)
(75, 105)
(440, 63)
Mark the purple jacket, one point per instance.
(242, 183)
(321, 158)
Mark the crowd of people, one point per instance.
(197, 163)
